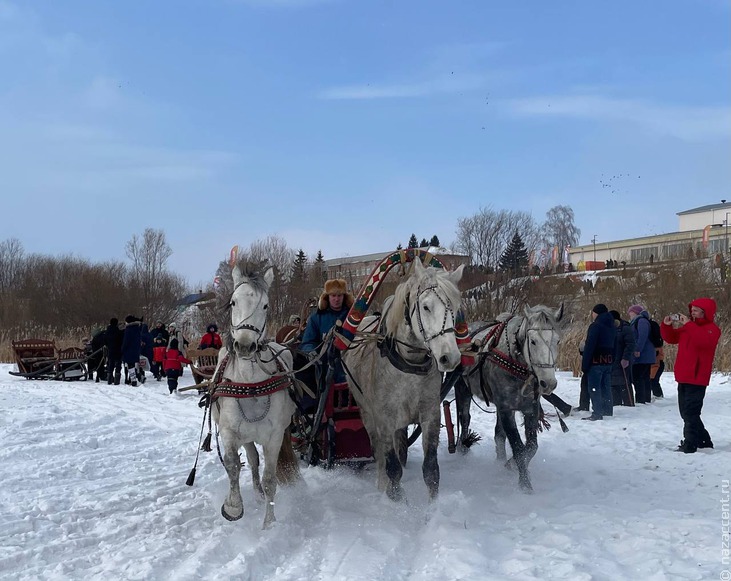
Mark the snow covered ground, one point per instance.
(93, 487)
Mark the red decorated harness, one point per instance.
(223, 387)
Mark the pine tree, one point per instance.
(423, 243)
(318, 268)
(299, 267)
(515, 257)
(413, 242)
(434, 241)
(399, 247)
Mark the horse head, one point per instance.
(431, 301)
(539, 339)
(248, 305)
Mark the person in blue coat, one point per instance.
(334, 304)
(132, 348)
(146, 350)
(597, 360)
(644, 353)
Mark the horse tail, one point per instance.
(288, 471)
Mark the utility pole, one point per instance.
(593, 240)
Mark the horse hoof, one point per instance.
(228, 516)
(511, 464)
(526, 487)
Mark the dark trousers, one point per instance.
(172, 375)
(622, 392)
(114, 370)
(600, 390)
(584, 393)
(655, 381)
(561, 405)
(690, 403)
(641, 379)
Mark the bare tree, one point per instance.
(158, 288)
(484, 236)
(11, 264)
(559, 228)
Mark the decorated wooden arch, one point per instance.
(345, 334)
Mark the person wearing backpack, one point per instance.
(658, 367)
(644, 354)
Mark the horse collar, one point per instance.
(223, 387)
(387, 348)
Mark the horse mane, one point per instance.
(394, 317)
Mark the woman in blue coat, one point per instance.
(644, 353)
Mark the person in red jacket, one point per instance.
(173, 365)
(211, 339)
(697, 337)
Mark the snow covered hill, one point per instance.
(93, 487)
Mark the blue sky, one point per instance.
(347, 125)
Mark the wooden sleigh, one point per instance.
(40, 359)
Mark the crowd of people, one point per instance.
(622, 361)
(132, 347)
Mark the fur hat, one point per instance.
(600, 309)
(637, 309)
(335, 286)
(174, 344)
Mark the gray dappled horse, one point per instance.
(247, 366)
(515, 366)
(396, 381)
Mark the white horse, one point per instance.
(252, 402)
(396, 382)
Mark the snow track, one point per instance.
(93, 487)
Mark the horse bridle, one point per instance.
(527, 345)
(409, 313)
(242, 325)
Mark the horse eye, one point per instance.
(266, 307)
(532, 342)
(233, 304)
(426, 308)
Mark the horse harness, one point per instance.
(224, 387)
(489, 351)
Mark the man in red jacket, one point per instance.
(696, 338)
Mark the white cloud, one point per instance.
(442, 85)
(691, 123)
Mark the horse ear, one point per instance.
(236, 274)
(269, 276)
(418, 265)
(559, 313)
(456, 275)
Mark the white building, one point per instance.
(702, 231)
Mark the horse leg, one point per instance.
(531, 433)
(394, 471)
(430, 466)
(271, 453)
(400, 443)
(500, 438)
(252, 457)
(233, 506)
(463, 401)
(288, 470)
(507, 418)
